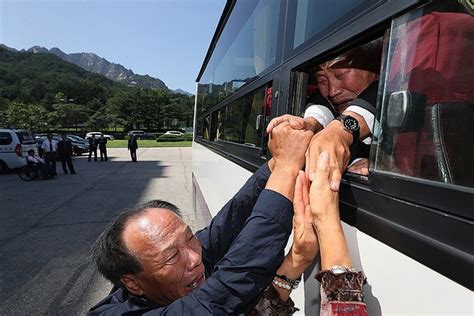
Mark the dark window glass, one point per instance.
(428, 101)
(241, 117)
(316, 19)
(5, 139)
(246, 47)
(199, 127)
(205, 128)
(25, 137)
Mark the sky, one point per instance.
(167, 39)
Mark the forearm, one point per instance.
(332, 243)
(217, 237)
(282, 179)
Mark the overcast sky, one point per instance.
(167, 39)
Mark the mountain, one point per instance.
(37, 78)
(179, 91)
(96, 64)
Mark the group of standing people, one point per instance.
(101, 143)
(52, 150)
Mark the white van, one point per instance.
(14, 146)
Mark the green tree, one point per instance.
(69, 114)
(25, 116)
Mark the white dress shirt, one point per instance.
(46, 147)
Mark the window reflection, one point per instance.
(241, 119)
(428, 105)
(247, 47)
(319, 18)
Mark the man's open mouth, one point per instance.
(196, 282)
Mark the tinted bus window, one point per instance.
(241, 119)
(246, 47)
(428, 101)
(316, 19)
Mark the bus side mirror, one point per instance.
(406, 110)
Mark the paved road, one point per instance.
(47, 227)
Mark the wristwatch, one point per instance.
(350, 124)
(336, 270)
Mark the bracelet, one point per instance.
(282, 285)
(293, 283)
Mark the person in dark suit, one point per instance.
(65, 154)
(132, 146)
(103, 148)
(92, 147)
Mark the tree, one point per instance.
(25, 116)
(69, 114)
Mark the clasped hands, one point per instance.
(327, 155)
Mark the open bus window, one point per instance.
(428, 98)
(334, 86)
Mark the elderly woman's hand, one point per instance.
(325, 201)
(305, 242)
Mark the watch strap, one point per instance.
(355, 134)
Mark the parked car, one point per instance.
(14, 146)
(174, 133)
(98, 135)
(79, 145)
(138, 134)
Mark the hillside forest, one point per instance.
(41, 92)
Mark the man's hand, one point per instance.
(288, 147)
(360, 167)
(295, 122)
(335, 141)
(305, 241)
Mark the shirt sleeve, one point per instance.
(217, 237)
(342, 293)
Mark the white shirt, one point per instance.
(45, 145)
(34, 159)
(324, 116)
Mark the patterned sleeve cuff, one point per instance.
(344, 287)
(271, 304)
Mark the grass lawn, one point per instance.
(146, 143)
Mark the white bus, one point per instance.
(409, 223)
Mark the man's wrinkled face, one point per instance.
(340, 83)
(169, 253)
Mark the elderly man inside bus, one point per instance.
(341, 113)
(159, 266)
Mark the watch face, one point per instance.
(350, 123)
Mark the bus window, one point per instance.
(331, 87)
(241, 116)
(247, 46)
(314, 20)
(428, 98)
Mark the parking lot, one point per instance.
(48, 226)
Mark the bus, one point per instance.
(409, 221)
